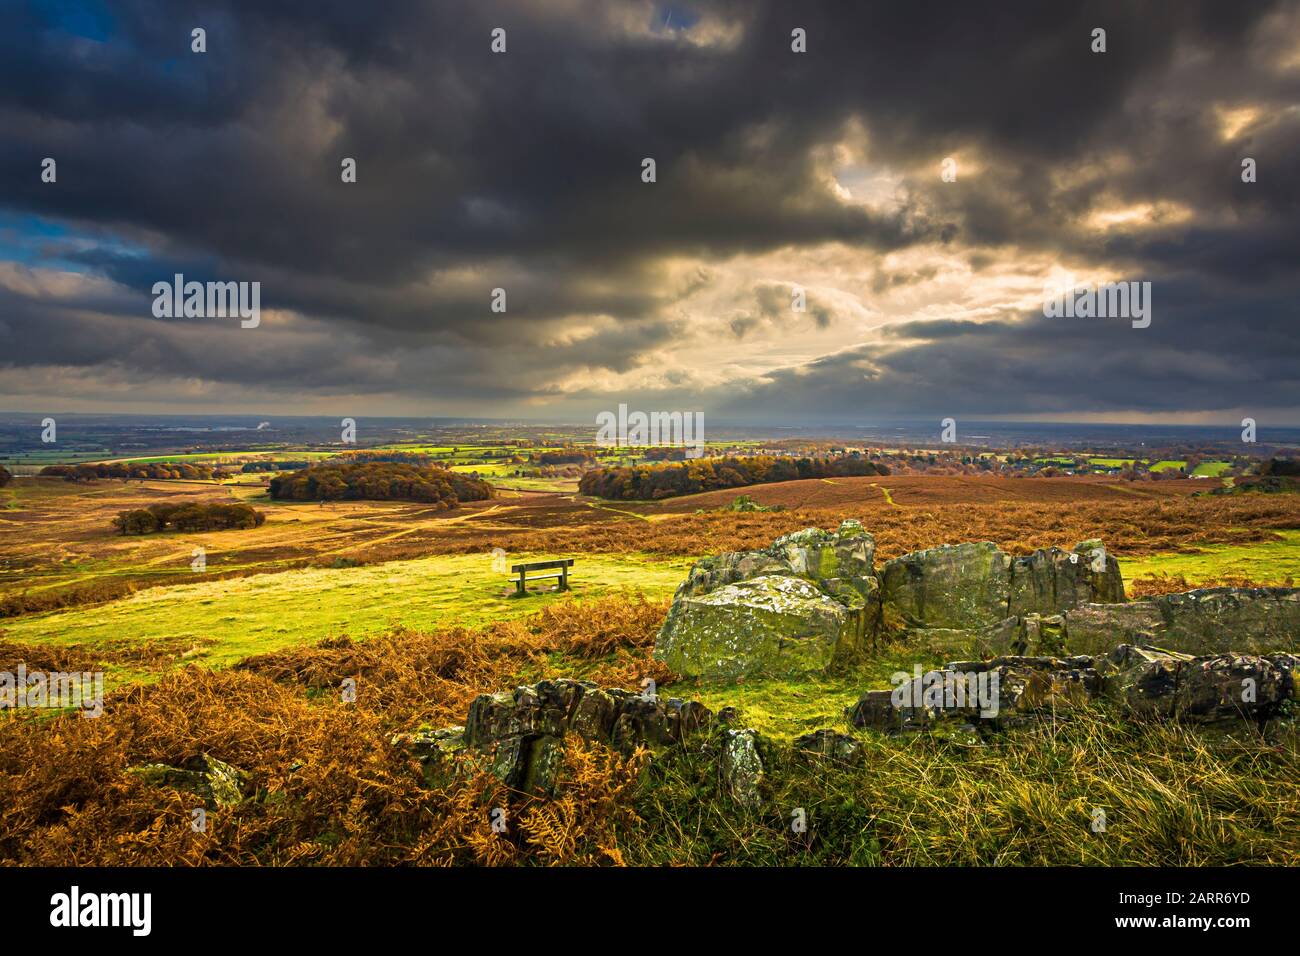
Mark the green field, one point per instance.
(267, 612)
(1271, 562)
(1211, 469)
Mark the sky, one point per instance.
(921, 174)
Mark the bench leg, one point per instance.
(564, 579)
(519, 587)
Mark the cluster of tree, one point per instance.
(380, 481)
(1280, 466)
(131, 471)
(664, 453)
(569, 455)
(5, 477)
(187, 517)
(253, 466)
(668, 480)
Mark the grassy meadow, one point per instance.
(243, 661)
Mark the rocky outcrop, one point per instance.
(520, 735)
(770, 625)
(790, 608)
(1143, 681)
(1209, 620)
(824, 558)
(521, 732)
(952, 586)
(811, 599)
(1051, 580)
(975, 585)
(1209, 689)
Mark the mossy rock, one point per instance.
(770, 625)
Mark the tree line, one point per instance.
(654, 481)
(187, 517)
(380, 481)
(132, 471)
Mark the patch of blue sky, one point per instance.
(89, 19)
(51, 244)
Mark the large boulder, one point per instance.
(1144, 681)
(822, 557)
(1214, 688)
(522, 731)
(1096, 628)
(1003, 637)
(953, 586)
(770, 625)
(1052, 580)
(830, 560)
(1206, 621)
(1220, 620)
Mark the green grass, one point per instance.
(1268, 562)
(1171, 795)
(267, 612)
(569, 485)
(1212, 468)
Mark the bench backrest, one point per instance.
(542, 565)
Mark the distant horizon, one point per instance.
(754, 423)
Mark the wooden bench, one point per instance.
(561, 573)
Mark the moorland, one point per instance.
(242, 661)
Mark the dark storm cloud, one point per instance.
(1196, 355)
(522, 171)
